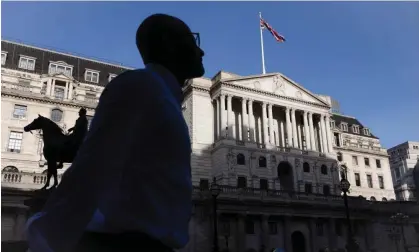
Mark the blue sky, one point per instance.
(364, 54)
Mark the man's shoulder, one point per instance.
(137, 79)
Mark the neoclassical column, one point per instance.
(282, 133)
(223, 124)
(287, 234)
(264, 125)
(289, 127)
(320, 136)
(251, 122)
(324, 137)
(312, 140)
(271, 125)
(245, 120)
(49, 83)
(70, 91)
(329, 134)
(217, 118)
(265, 231)
(331, 233)
(230, 120)
(53, 87)
(66, 90)
(294, 129)
(313, 234)
(241, 236)
(306, 131)
(300, 136)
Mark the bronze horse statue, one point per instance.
(56, 150)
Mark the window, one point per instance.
(378, 163)
(355, 129)
(326, 190)
(240, 159)
(10, 169)
(340, 157)
(384, 199)
(306, 167)
(56, 115)
(262, 162)
(319, 228)
(273, 228)
(397, 172)
(308, 188)
(204, 184)
(89, 121)
(381, 182)
(344, 126)
(354, 160)
(15, 141)
(91, 75)
(3, 58)
(373, 198)
(332, 124)
(59, 92)
(27, 63)
(264, 184)
(111, 77)
(366, 132)
(241, 182)
(19, 112)
(338, 228)
(225, 227)
(323, 169)
(357, 179)
(250, 227)
(369, 181)
(367, 162)
(56, 68)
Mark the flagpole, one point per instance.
(261, 44)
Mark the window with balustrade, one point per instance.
(240, 159)
(308, 188)
(306, 167)
(56, 115)
(19, 111)
(323, 169)
(15, 141)
(27, 63)
(241, 182)
(264, 185)
(326, 190)
(262, 162)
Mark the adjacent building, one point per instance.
(403, 158)
(275, 149)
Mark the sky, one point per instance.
(363, 54)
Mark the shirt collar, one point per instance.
(169, 79)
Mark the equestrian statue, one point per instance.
(59, 148)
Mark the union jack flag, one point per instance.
(278, 37)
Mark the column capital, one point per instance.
(221, 95)
(305, 112)
(243, 99)
(229, 96)
(250, 99)
(287, 109)
(264, 104)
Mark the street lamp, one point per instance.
(215, 191)
(400, 219)
(351, 245)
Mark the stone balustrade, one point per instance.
(24, 180)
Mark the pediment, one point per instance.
(278, 84)
(60, 76)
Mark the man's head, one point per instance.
(82, 112)
(168, 41)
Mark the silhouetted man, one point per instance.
(78, 132)
(130, 184)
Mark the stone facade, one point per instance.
(269, 143)
(403, 158)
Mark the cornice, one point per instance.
(193, 87)
(251, 90)
(45, 100)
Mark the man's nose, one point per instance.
(201, 52)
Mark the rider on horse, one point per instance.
(78, 132)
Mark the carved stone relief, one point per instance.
(299, 95)
(256, 84)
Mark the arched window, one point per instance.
(56, 115)
(262, 162)
(240, 159)
(10, 169)
(324, 169)
(340, 157)
(384, 199)
(306, 167)
(372, 198)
